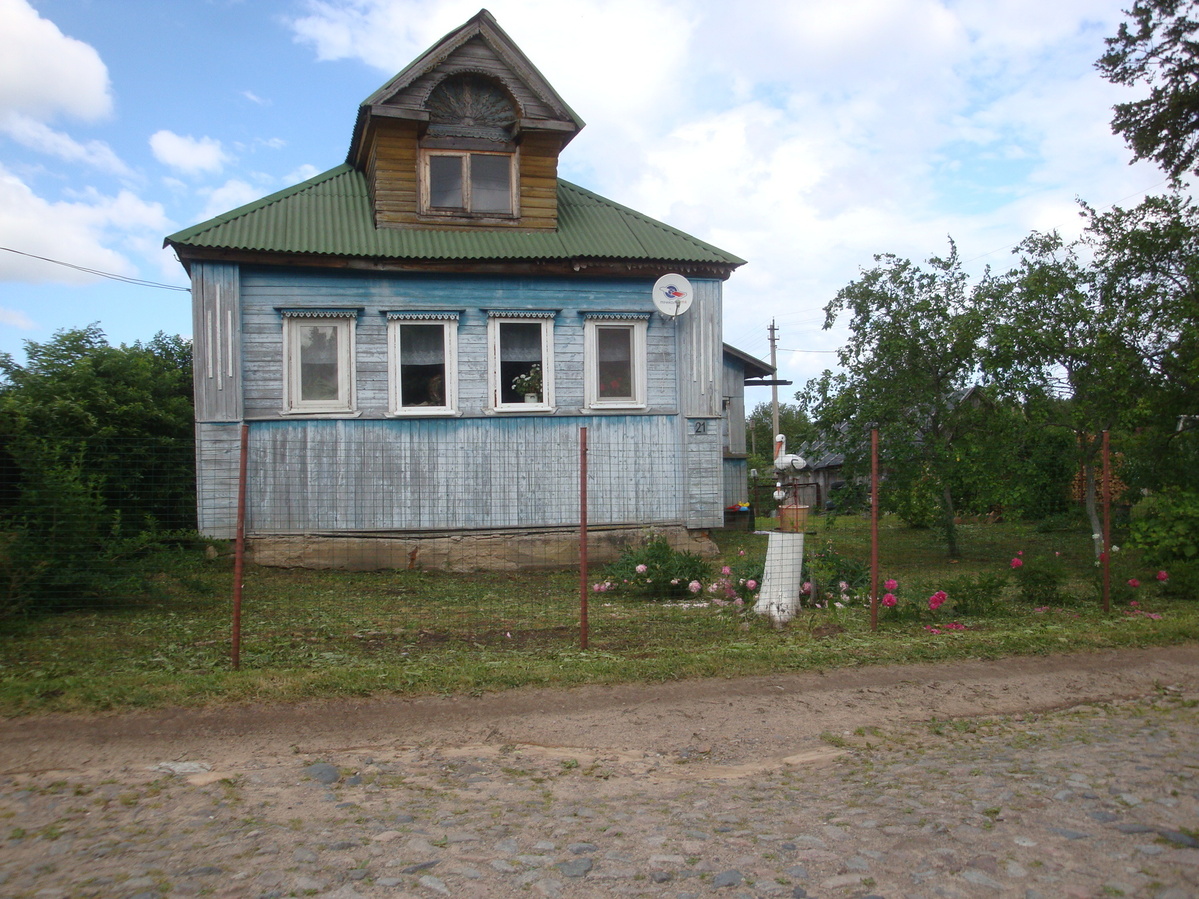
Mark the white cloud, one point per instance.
(39, 136)
(44, 73)
(190, 155)
(15, 318)
(803, 135)
(75, 232)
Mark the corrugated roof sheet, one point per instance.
(331, 215)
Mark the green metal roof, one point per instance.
(331, 215)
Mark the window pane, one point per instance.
(422, 365)
(489, 184)
(615, 363)
(318, 362)
(445, 182)
(520, 350)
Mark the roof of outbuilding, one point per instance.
(331, 215)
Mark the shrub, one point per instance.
(655, 569)
(1040, 580)
(1165, 528)
(980, 596)
(826, 570)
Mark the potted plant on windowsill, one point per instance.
(529, 384)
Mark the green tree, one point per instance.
(96, 451)
(1100, 334)
(908, 367)
(1158, 47)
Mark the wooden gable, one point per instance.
(474, 93)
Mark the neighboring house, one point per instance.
(372, 323)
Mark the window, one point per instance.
(475, 183)
(423, 363)
(319, 351)
(615, 362)
(521, 362)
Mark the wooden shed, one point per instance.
(416, 336)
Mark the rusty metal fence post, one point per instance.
(583, 636)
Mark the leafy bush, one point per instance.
(827, 570)
(655, 569)
(1183, 582)
(979, 596)
(1165, 528)
(1040, 580)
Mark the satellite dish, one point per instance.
(673, 295)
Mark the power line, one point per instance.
(137, 282)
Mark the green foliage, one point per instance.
(1158, 48)
(907, 369)
(96, 457)
(1184, 581)
(977, 596)
(667, 571)
(1165, 528)
(1041, 580)
(827, 570)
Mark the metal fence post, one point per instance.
(239, 551)
(583, 537)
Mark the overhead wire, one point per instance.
(124, 279)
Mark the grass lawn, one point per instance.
(320, 634)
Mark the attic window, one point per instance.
(468, 160)
(478, 183)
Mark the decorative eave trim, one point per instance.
(617, 316)
(309, 312)
(522, 313)
(422, 316)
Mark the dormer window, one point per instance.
(468, 153)
(465, 182)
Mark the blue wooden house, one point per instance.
(416, 336)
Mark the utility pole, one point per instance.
(774, 387)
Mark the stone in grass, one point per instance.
(575, 867)
(323, 772)
(728, 879)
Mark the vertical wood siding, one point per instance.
(734, 406)
(450, 474)
(701, 352)
(218, 456)
(216, 342)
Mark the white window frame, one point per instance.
(637, 327)
(346, 325)
(425, 184)
(449, 325)
(494, 394)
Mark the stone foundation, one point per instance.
(515, 550)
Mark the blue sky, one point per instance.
(802, 135)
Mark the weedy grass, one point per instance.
(324, 634)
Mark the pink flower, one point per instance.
(740, 552)
(1134, 603)
(738, 601)
(1162, 576)
(937, 600)
(751, 584)
(1016, 563)
(844, 587)
(891, 584)
(1019, 552)
(726, 571)
(807, 587)
(889, 600)
(641, 569)
(931, 629)
(695, 586)
(1133, 582)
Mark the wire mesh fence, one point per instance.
(369, 545)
